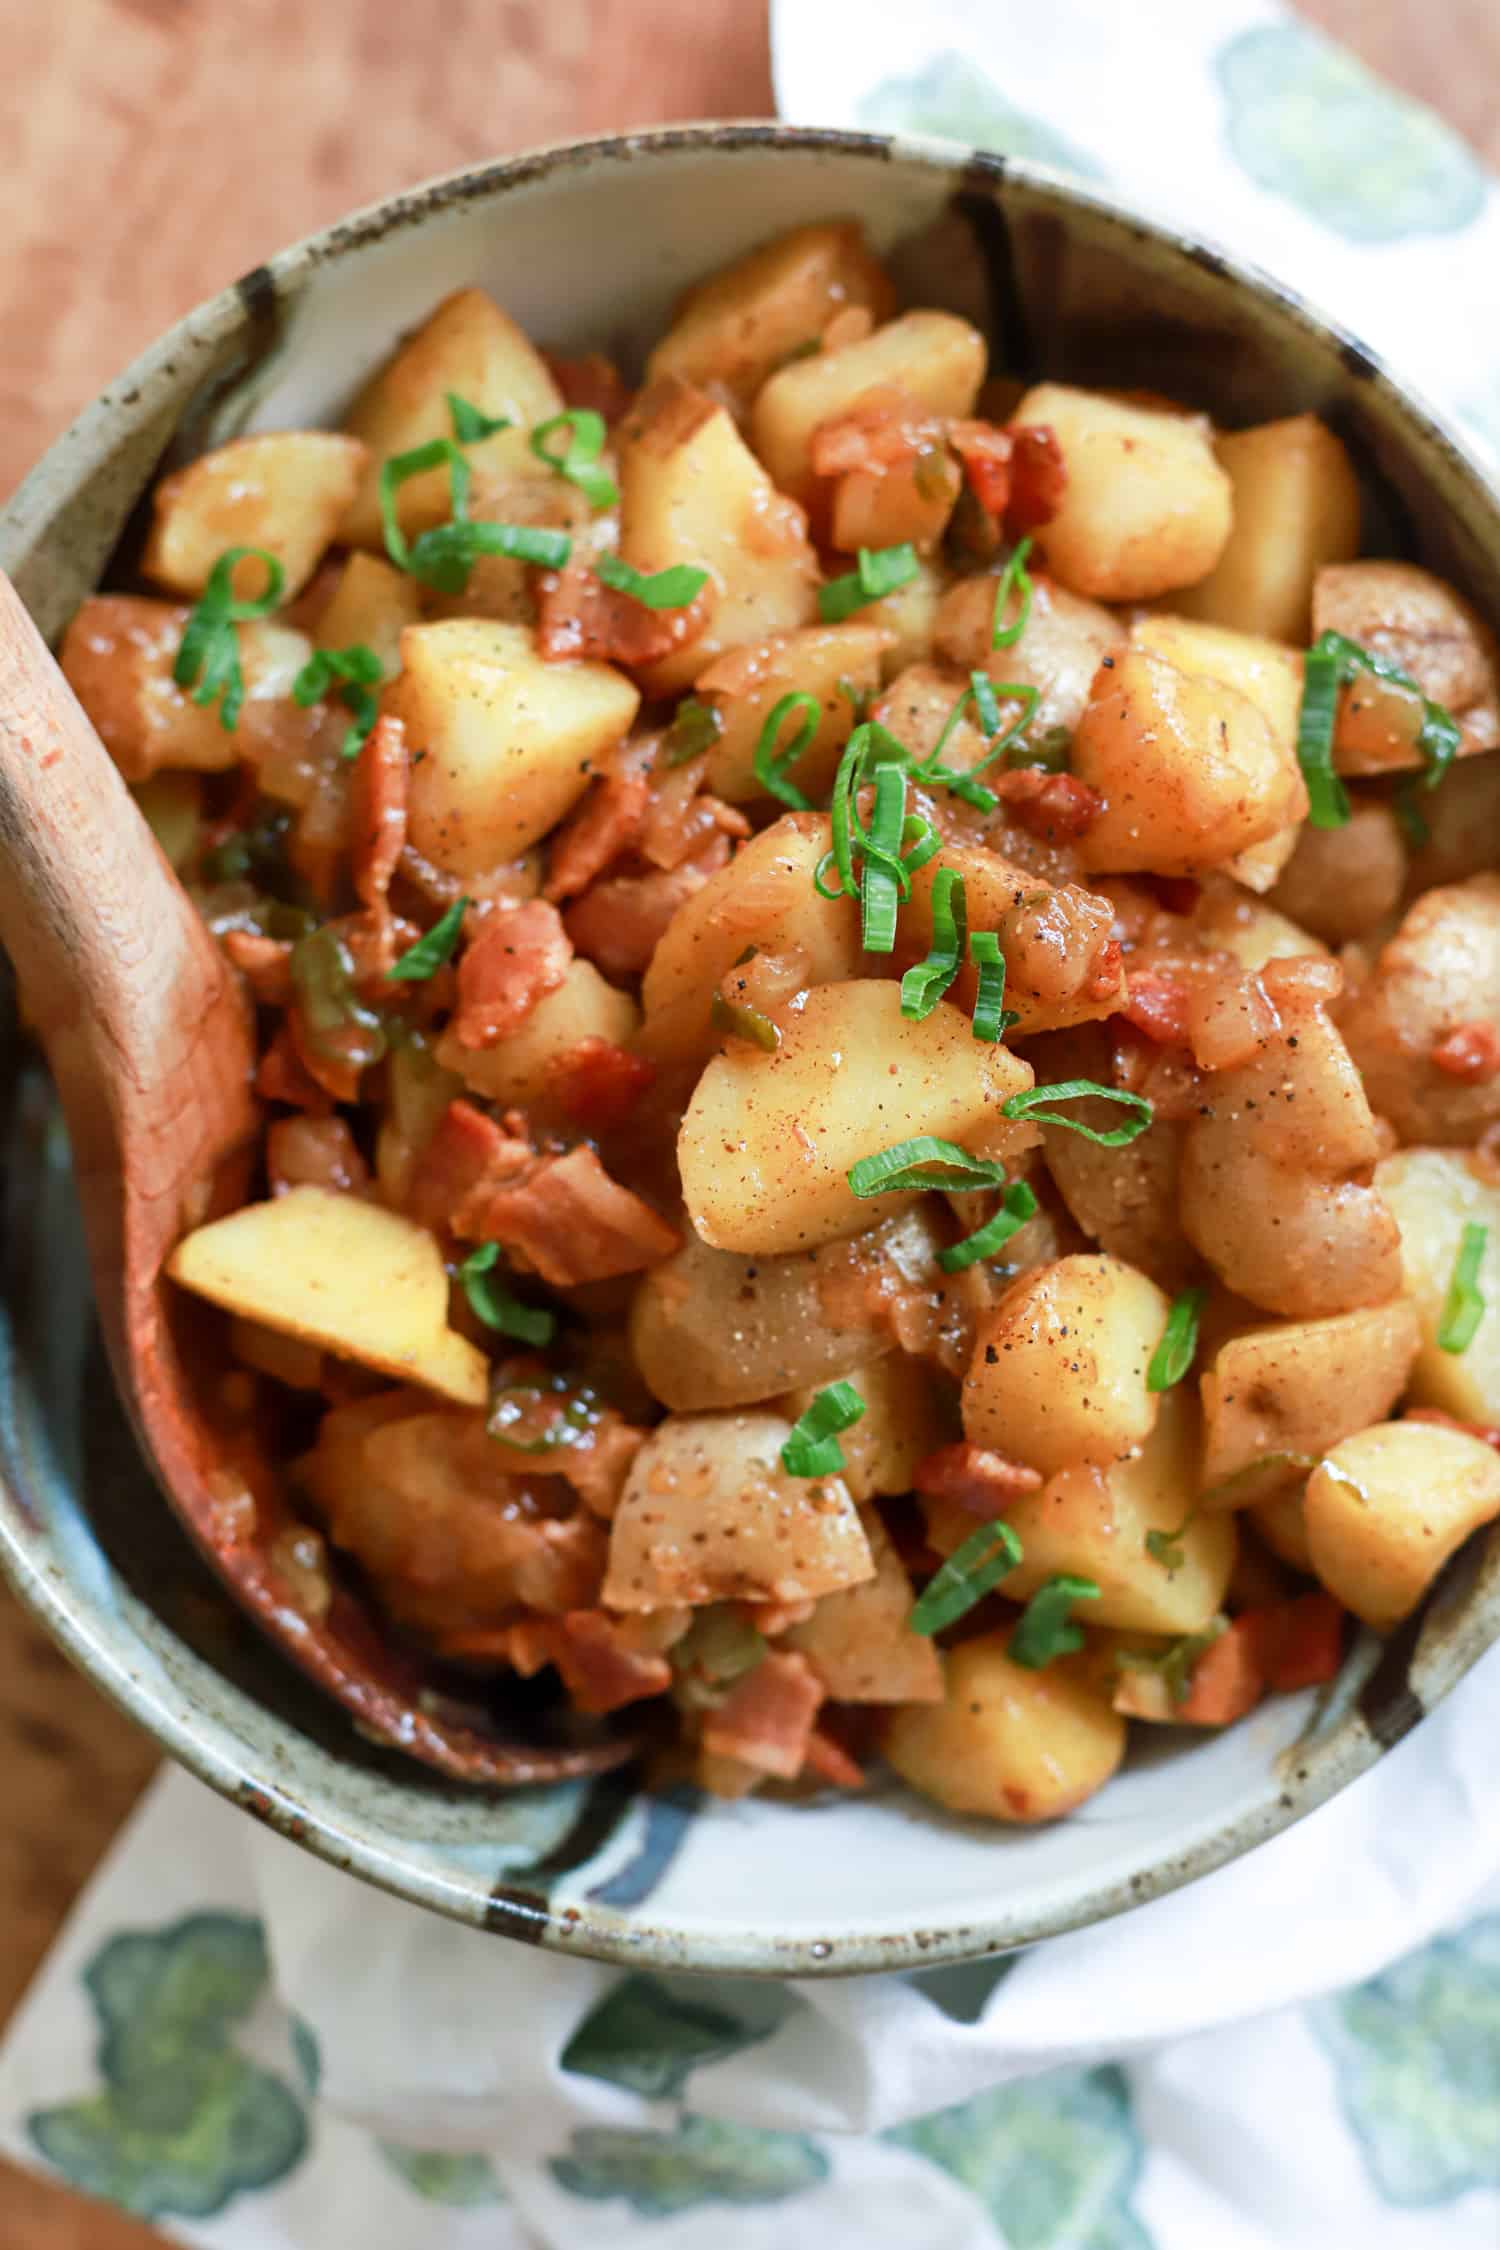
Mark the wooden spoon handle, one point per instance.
(143, 1026)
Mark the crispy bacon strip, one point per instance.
(1039, 478)
(1158, 1006)
(284, 1077)
(314, 1152)
(591, 381)
(1055, 806)
(767, 1719)
(600, 1669)
(974, 1477)
(377, 810)
(577, 615)
(617, 924)
(1471, 1052)
(831, 1763)
(468, 1148)
(597, 1084)
(569, 1219)
(986, 453)
(517, 958)
(603, 825)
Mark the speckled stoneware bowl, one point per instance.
(590, 244)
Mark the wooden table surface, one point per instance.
(154, 150)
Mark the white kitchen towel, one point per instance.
(255, 2053)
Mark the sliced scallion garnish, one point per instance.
(991, 1016)
(470, 423)
(1045, 1631)
(1327, 798)
(695, 727)
(1017, 1206)
(878, 571)
(1464, 1305)
(971, 1571)
(923, 1162)
(433, 949)
(1173, 1356)
(1029, 1104)
(770, 765)
(813, 1449)
(529, 1324)
(923, 987)
(578, 458)
(1015, 579)
(208, 657)
(673, 588)
(356, 672)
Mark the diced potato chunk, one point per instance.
(1300, 1387)
(468, 346)
(1189, 767)
(935, 358)
(1053, 939)
(1342, 883)
(519, 1067)
(765, 897)
(859, 1642)
(1438, 974)
(709, 1514)
(1264, 672)
(172, 803)
(736, 328)
(1233, 921)
(1065, 641)
(1387, 1508)
(745, 686)
(902, 1423)
(1463, 820)
(691, 491)
(373, 603)
(909, 616)
(1125, 1198)
(1420, 622)
(1059, 1368)
(1296, 508)
(1006, 1743)
(340, 1272)
(117, 655)
(768, 1139)
(1434, 1193)
(1146, 507)
(285, 492)
(503, 742)
(1094, 1521)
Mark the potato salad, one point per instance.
(878, 1004)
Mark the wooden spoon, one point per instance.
(149, 1039)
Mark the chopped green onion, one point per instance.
(436, 454)
(470, 423)
(813, 1449)
(332, 1017)
(660, 589)
(879, 571)
(857, 698)
(1049, 751)
(888, 865)
(695, 728)
(937, 775)
(771, 766)
(1464, 1306)
(881, 888)
(1258, 1479)
(1173, 1356)
(1044, 1631)
(971, 1571)
(1019, 1205)
(432, 950)
(1173, 1665)
(992, 1019)
(582, 447)
(909, 1167)
(986, 703)
(1410, 817)
(1165, 1547)
(1440, 736)
(1028, 1104)
(1014, 579)
(444, 556)
(208, 657)
(356, 670)
(1327, 798)
(529, 1324)
(739, 1020)
(923, 986)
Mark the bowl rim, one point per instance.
(1320, 1768)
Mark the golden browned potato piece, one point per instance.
(1125, 1198)
(733, 330)
(768, 1139)
(1387, 1508)
(117, 656)
(1231, 920)
(1342, 883)
(1053, 938)
(1439, 975)
(1296, 508)
(1434, 1194)
(1059, 1368)
(1058, 654)
(285, 492)
(937, 359)
(1189, 768)
(903, 1421)
(709, 1514)
(1146, 507)
(1006, 1743)
(372, 603)
(859, 1642)
(1301, 1386)
(1463, 820)
(691, 491)
(744, 687)
(1273, 1189)
(470, 347)
(1416, 620)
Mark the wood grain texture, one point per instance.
(154, 150)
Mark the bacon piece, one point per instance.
(1488, 1433)
(767, 1719)
(975, 1477)
(1471, 1052)
(599, 1668)
(284, 1077)
(517, 958)
(314, 1152)
(831, 1763)
(590, 381)
(338, 1075)
(883, 427)
(601, 827)
(467, 1149)
(569, 1219)
(618, 923)
(1104, 976)
(986, 453)
(577, 615)
(1054, 806)
(597, 1465)
(1158, 1006)
(681, 819)
(1039, 477)
(377, 810)
(597, 1084)
(1300, 1642)
(264, 962)
(1228, 1679)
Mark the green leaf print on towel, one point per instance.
(1309, 122)
(953, 98)
(1053, 2159)
(699, 2161)
(463, 2183)
(185, 2123)
(649, 2038)
(1417, 2052)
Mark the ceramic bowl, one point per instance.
(590, 244)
